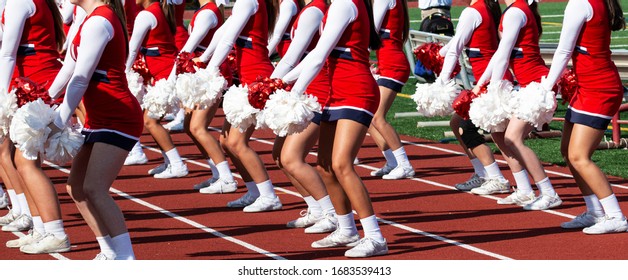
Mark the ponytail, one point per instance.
(168, 11)
(616, 15)
(58, 24)
(118, 9)
(374, 41)
(537, 17)
(406, 21)
(271, 12)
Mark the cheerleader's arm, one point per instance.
(67, 12)
(380, 8)
(144, 22)
(20, 11)
(62, 78)
(241, 13)
(76, 24)
(287, 10)
(470, 19)
(214, 42)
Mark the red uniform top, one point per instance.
(108, 102)
(483, 43)
(158, 46)
(130, 9)
(391, 59)
(286, 38)
(181, 35)
(209, 6)
(354, 43)
(252, 47)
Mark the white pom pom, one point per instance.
(29, 128)
(186, 89)
(238, 112)
(136, 85)
(288, 113)
(62, 146)
(8, 106)
(435, 99)
(201, 89)
(535, 104)
(491, 110)
(161, 99)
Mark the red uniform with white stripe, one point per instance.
(158, 46)
(319, 87)
(37, 56)
(286, 38)
(181, 35)
(354, 92)
(600, 91)
(109, 105)
(252, 47)
(526, 61)
(224, 67)
(391, 59)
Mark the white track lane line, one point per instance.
(183, 219)
(54, 255)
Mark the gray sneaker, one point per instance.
(492, 186)
(382, 171)
(336, 239)
(583, 220)
(205, 183)
(474, 182)
(244, 201)
(367, 247)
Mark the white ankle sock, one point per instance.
(55, 228)
(546, 187)
(478, 168)
(174, 158)
(390, 158)
(313, 206)
(266, 189)
(346, 224)
(38, 225)
(123, 247)
(251, 187)
(611, 207)
(371, 228)
(137, 148)
(523, 182)
(493, 172)
(401, 157)
(15, 203)
(593, 205)
(23, 204)
(166, 160)
(212, 166)
(326, 205)
(224, 171)
(106, 246)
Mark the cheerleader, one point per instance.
(280, 41)
(289, 152)
(180, 38)
(521, 28)
(345, 119)
(391, 19)
(248, 28)
(154, 32)
(587, 29)
(33, 36)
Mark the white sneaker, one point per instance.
(8, 218)
(368, 247)
(382, 171)
(583, 220)
(263, 204)
(4, 200)
(399, 172)
(205, 183)
(328, 223)
(33, 236)
(307, 219)
(544, 202)
(102, 257)
(474, 182)
(244, 201)
(492, 186)
(21, 223)
(48, 244)
(336, 239)
(135, 158)
(221, 186)
(175, 125)
(607, 225)
(517, 198)
(173, 172)
(158, 169)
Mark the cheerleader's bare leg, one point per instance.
(174, 166)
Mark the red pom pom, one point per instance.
(27, 91)
(567, 85)
(462, 103)
(262, 88)
(185, 63)
(140, 67)
(431, 59)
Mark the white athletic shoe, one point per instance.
(399, 172)
(33, 236)
(221, 186)
(175, 125)
(328, 223)
(263, 204)
(583, 220)
(205, 183)
(102, 257)
(158, 169)
(607, 225)
(4, 201)
(48, 244)
(173, 172)
(474, 182)
(544, 202)
(134, 158)
(382, 171)
(517, 198)
(307, 219)
(367, 247)
(492, 186)
(21, 223)
(244, 201)
(336, 239)
(8, 218)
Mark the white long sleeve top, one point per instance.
(144, 22)
(20, 11)
(287, 10)
(469, 20)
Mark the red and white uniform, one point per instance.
(354, 92)
(29, 48)
(586, 30)
(97, 57)
(153, 34)
(288, 11)
(393, 66)
(181, 36)
(519, 46)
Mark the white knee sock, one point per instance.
(313, 206)
(326, 205)
(371, 228)
(546, 187)
(38, 225)
(212, 166)
(523, 182)
(106, 246)
(494, 172)
(15, 203)
(251, 187)
(123, 247)
(593, 205)
(611, 207)
(266, 189)
(224, 171)
(174, 158)
(23, 204)
(55, 228)
(346, 224)
(401, 157)
(478, 168)
(390, 158)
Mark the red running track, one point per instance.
(422, 218)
